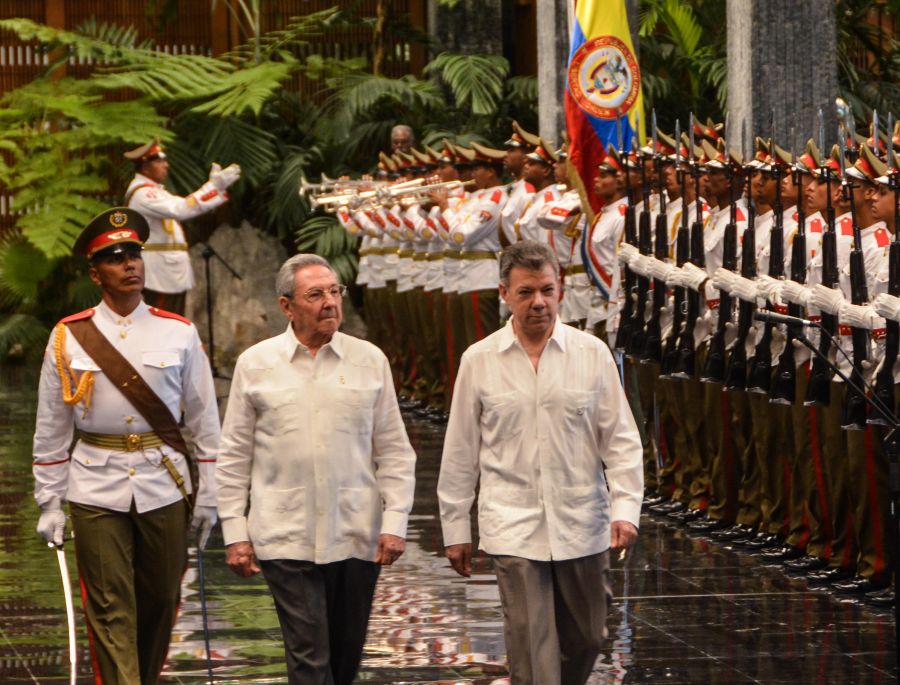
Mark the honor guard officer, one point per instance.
(169, 274)
(121, 373)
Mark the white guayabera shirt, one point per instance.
(556, 449)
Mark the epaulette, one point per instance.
(846, 226)
(795, 215)
(882, 238)
(815, 225)
(529, 187)
(86, 314)
(156, 311)
(739, 215)
(548, 196)
(497, 196)
(623, 208)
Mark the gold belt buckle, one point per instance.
(132, 442)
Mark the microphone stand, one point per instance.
(891, 445)
(209, 253)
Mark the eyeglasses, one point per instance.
(317, 295)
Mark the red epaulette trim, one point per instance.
(795, 215)
(816, 227)
(393, 219)
(209, 196)
(846, 226)
(882, 238)
(739, 215)
(559, 211)
(548, 196)
(530, 187)
(498, 195)
(86, 314)
(622, 209)
(156, 311)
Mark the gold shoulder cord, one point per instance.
(85, 384)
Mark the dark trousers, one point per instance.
(130, 566)
(170, 302)
(323, 610)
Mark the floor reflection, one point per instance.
(687, 610)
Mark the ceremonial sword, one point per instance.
(70, 611)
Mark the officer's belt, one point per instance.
(434, 256)
(406, 254)
(132, 442)
(420, 256)
(165, 247)
(573, 269)
(363, 251)
(477, 255)
(451, 254)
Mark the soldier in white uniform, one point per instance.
(128, 487)
(168, 266)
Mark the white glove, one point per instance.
(723, 279)
(825, 299)
(745, 289)
(791, 291)
(641, 264)
(52, 523)
(887, 306)
(675, 277)
(768, 288)
(627, 252)
(857, 316)
(202, 523)
(659, 269)
(223, 178)
(694, 276)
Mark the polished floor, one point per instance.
(686, 610)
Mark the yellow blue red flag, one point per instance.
(603, 88)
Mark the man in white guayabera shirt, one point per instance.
(313, 442)
(539, 416)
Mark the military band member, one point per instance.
(538, 170)
(122, 373)
(520, 143)
(169, 274)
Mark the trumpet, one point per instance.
(356, 198)
(422, 192)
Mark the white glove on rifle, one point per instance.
(640, 264)
(791, 291)
(887, 306)
(627, 252)
(825, 299)
(223, 178)
(768, 288)
(659, 269)
(694, 276)
(52, 523)
(675, 277)
(745, 289)
(858, 316)
(724, 279)
(202, 523)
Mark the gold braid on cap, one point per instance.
(85, 383)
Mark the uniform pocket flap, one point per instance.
(161, 359)
(84, 364)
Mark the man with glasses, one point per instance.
(123, 373)
(316, 474)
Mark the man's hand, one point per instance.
(623, 534)
(223, 178)
(241, 558)
(202, 522)
(460, 558)
(390, 548)
(52, 523)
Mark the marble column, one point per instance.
(781, 58)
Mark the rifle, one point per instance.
(714, 370)
(760, 377)
(818, 391)
(682, 253)
(685, 361)
(884, 381)
(637, 339)
(785, 389)
(652, 351)
(855, 404)
(736, 378)
(623, 336)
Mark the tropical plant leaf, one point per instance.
(22, 268)
(23, 334)
(476, 81)
(247, 89)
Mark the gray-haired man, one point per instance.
(539, 416)
(315, 475)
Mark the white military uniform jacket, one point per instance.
(167, 353)
(166, 260)
(474, 229)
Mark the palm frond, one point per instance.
(683, 26)
(247, 89)
(23, 334)
(476, 81)
(22, 268)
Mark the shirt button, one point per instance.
(129, 419)
(123, 334)
(87, 461)
(162, 364)
(131, 472)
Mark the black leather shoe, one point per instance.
(805, 564)
(667, 507)
(652, 499)
(706, 525)
(780, 553)
(881, 598)
(834, 574)
(685, 516)
(857, 586)
(763, 541)
(733, 533)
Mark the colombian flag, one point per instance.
(603, 86)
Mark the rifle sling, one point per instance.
(135, 389)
